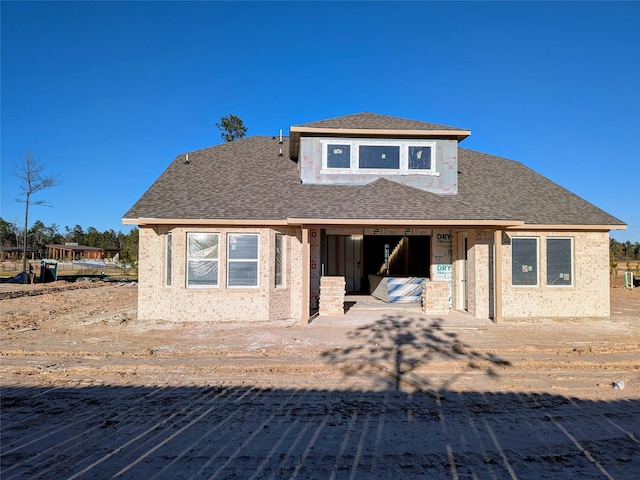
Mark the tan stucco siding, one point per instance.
(177, 302)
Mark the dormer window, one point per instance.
(338, 155)
(380, 157)
(420, 157)
(375, 157)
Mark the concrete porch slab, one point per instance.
(365, 309)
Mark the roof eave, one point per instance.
(295, 132)
(565, 227)
(202, 221)
(383, 131)
(368, 222)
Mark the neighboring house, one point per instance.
(16, 253)
(245, 230)
(73, 251)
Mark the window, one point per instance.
(279, 267)
(202, 260)
(379, 157)
(242, 262)
(419, 158)
(560, 261)
(168, 260)
(338, 156)
(395, 157)
(524, 261)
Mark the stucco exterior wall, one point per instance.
(589, 295)
(176, 302)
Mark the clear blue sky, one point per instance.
(108, 93)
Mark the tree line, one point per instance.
(624, 251)
(40, 235)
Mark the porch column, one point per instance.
(332, 291)
(497, 276)
(306, 259)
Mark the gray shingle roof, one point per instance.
(374, 121)
(247, 180)
(519, 192)
(371, 124)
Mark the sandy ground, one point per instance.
(89, 391)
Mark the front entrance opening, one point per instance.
(355, 257)
(397, 255)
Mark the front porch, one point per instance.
(361, 310)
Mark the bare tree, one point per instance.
(30, 172)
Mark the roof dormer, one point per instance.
(358, 149)
(371, 125)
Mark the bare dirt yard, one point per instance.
(90, 391)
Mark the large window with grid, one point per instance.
(242, 259)
(202, 259)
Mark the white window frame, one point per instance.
(281, 237)
(168, 258)
(202, 260)
(571, 273)
(537, 264)
(403, 145)
(325, 157)
(355, 152)
(231, 261)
